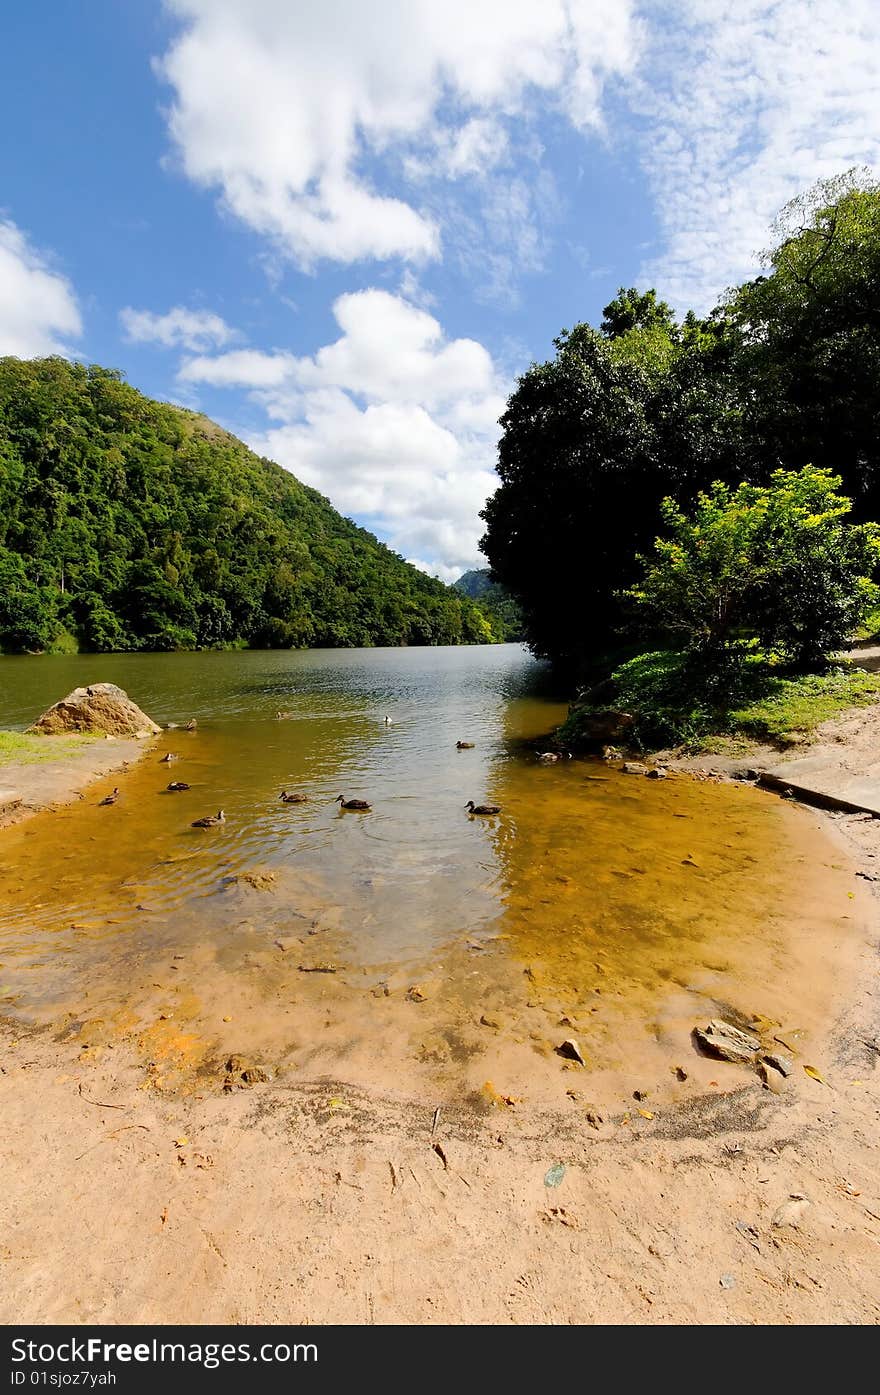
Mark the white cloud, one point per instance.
(38, 308)
(296, 112)
(748, 104)
(393, 421)
(178, 327)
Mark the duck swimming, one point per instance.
(473, 808)
(175, 786)
(168, 758)
(294, 798)
(357, 804)
(191, 724)
(464, 745)
(111, 798)
(210, 820)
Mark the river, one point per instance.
(606, 907)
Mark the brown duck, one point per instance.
(210, 820)
(359, 805)
(111, 798)
(287, 797)
(464, 745)
(175, 786)
(473, 808)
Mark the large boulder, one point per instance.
(102, 710)
(601, 726)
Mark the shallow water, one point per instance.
(626, 907)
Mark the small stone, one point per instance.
(791, 1212)
(631, 767)
(727, 1042)
(778, 1062)
(655, 773)
(570, 1050)
(415, 994)
(727, 1281)
(640, 1095)
(486, 1020)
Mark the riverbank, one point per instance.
(55, 770)
(200, 1126)
(317, 1202)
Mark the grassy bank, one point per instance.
(18, 749)
(674, 704)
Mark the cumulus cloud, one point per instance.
(395, 422)
(297, 113)
(38, 308)
(747, 105)
(177, 328)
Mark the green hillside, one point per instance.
(495, 601)
(127, 523)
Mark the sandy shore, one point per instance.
(315, 1200)
(29, 787)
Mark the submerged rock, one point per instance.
(604, 726)
(727, 1042)
(101, 709)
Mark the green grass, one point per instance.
(674, 705)
(793, 707)
(19, 749)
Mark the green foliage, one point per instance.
(676, 701)
(592, 442)
(784, 373)
(806, 338)
(776, 565)
(132, 524)
(495, 603)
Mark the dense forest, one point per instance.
(495, 601)
(127, 523)
(626, 432)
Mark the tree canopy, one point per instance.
(784, 373)
(127, 523)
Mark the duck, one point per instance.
(548, 758)
(112, 797)
(283, 716)
(388, 722)
(168, 758)
(210, 820)
(473, 808)
(191, 724)
(464, 745)
(358, 804)
(175, 786)
(295, 798)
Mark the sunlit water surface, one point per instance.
(597, 904)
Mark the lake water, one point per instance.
(597, 904)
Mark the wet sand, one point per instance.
(36, 786)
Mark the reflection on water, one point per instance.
(594, 897)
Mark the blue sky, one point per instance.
(342, 230)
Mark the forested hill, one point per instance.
(127, 523)
(495, 601)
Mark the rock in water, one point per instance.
(727, 1042)
(102, 709)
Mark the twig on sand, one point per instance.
(108, 1136)
(435, 1121)
(99, 1103)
